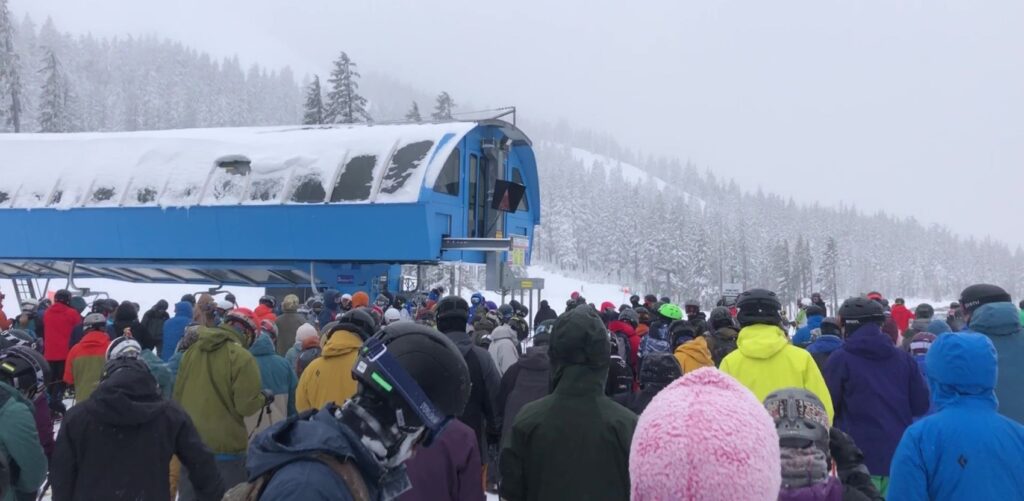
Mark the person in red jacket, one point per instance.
(902, 315)
(58, 322)
(627, 324)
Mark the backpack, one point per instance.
(620, 345)
(656, 340)
(6, 477)
(253, 490)
(305, 358)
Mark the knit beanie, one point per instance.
(360, 299)
(734, 456)
(305, 331)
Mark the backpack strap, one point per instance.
(348, 473)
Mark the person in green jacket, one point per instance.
(219, 385)
(19, 440)
(573, 443)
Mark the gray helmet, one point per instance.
(801, 420)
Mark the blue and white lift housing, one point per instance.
(268, 206)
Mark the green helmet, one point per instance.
(670, 311)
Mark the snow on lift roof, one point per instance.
(229, 166)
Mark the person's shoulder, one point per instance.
(616, 413)
(534, 413)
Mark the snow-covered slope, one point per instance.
(630, 172)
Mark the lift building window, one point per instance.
(448, 181)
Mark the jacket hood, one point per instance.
(262, 347)
(503, 332)
(761, 341)
(937, 327)
(477, 295)
(213, 338)
(962, 367)
(696, 350)
(183, 309)
(870, 342)
(342, 342)
(128, 397)
(535, 359)
(826, 343)
(331, 299)
(996, 319)
(125, 313)
(814, 321)
(622, 326)
(294, 439)
(580, 352)
(95, 340)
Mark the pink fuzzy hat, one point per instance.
(705, 437)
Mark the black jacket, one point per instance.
(119, 442)
(125, 316)
(481, 412)
(543, 313)
(637, 401)
(153, 321)
(527, 380)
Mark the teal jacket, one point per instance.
(276, 373)
(160, 372)
(1001, 323)
(19, 443)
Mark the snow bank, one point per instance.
(179, 168)
(558, 287)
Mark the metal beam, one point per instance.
(109, 273)
(172, 275)
(244, 278)
(139, 276)
(209, 276)
(282, 276)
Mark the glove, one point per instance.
(268, 397)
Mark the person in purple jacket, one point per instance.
(876, 388)
(449, 469)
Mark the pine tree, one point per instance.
(10, 75)
(444, 107)
(344, 104)
(414, 114)
(314, 112)
(828, 272)
(52, 112)
(782, 272)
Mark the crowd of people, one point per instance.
(440, 398)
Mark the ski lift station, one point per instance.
(276, 207)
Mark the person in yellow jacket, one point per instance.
(694, 354)
(764, 360)
(329, 378)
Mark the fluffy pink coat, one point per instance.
(705, 437)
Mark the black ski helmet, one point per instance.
(815, 310)
(418, 372)
(758, 306)
(924, 310)
(858, 311)
(452, 307)
(721, 317)
(830, 326)
(681, 331)
(979, 294)
(659, 369)
(359, 322)
(268, 301)
(800, 418)
(25, 369)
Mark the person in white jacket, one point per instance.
(504, 347)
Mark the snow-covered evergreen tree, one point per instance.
(52, 97)
(344, 104)
(828, 272)
(10, 72)
(444, 107)
(414, 114)
(314, 109)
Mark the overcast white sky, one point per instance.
(914, 107)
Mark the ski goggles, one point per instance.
(378, 366)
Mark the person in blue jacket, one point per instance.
(988, 310)
(876, 388)
(476, 301)
(174, 329)
(276, 375)
(803, 335)
(966, 450)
